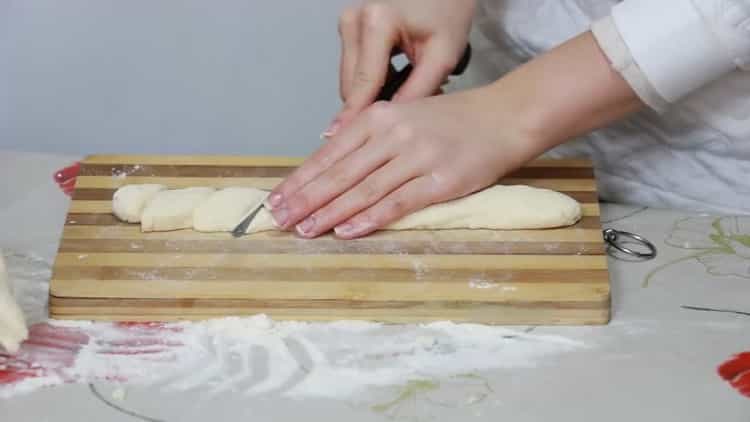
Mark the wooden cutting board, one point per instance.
(109, 270)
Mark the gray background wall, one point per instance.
(187, 76)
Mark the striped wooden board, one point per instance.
(109, 270)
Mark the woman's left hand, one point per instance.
(396, 158)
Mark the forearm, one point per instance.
(563, 93)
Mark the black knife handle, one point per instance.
(396, 78)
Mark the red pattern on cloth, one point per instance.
(736, 371)
(52, 350)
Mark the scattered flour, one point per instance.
(256, 355)
(479, 283)
(420, 269)
(123, 174)
(28, 386)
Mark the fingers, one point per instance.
(378, 33)
(330, 184)
(429, 74)
(350, 139)
(410, 197)
(349, 34)
(370, 190)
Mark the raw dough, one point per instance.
(173, 209)
(498, 207)
(12, 324)
(128, 201)
(225, 209)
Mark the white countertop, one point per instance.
(656, 360)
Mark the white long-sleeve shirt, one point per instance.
(686, 59)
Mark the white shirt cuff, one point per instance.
(617, 52)
(672, 45)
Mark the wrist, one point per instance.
(510, 134)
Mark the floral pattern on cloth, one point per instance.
(721, 244)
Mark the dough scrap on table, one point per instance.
(13, 328)
(499, 207)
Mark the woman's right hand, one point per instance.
(432, 33)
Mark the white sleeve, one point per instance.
(667, 49)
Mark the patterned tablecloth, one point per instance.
(678, 346)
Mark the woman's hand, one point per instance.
(432, 33)
(396, 158)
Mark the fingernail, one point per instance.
(343, 229)
(280, 216)
(306, 226)
(275, 200)
(350, 229)
(332, 129)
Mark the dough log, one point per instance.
(172, 209)
(128, 201)
(204, 209)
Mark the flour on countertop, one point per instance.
(257, 355)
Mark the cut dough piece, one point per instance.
(173, 209)
(225, 209)
(129, 200)
(262, 222)
(12, 324)
(498, 207)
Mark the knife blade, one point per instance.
(241, 228)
